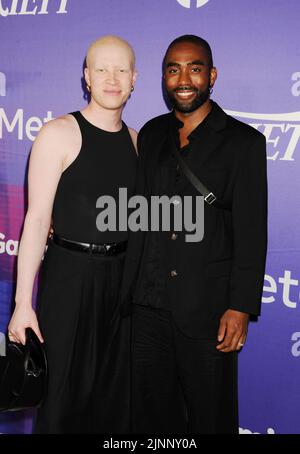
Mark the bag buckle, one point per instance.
(210, 198)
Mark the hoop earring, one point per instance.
(132, 89)
(88, 88)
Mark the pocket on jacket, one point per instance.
(218, 268)
(215, 180)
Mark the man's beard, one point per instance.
(188, 107)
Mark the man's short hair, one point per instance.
(195, 40)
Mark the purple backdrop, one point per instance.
(255, 47)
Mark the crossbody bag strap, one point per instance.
(209, 196)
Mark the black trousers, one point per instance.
(88, 349)
(179, 384)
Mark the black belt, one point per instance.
(102, 249)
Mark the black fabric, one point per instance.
(88, 355)
(152, 279)
(180, 384)
(225, 269)
(23, 373)
(105, 163)
(86, 342)
(168, 180)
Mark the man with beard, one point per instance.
(192, 300)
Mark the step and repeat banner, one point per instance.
(256, 49)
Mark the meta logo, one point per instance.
(296, 345)
(288, 292)
(2, 84)
(191, 3)
(23, 126)
(33, 7)
(9, 247)
(296, 86)
(282, 132)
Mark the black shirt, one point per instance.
(106, 162)
(160, 257)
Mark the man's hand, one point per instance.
(232, 331)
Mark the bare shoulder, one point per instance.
(59, 129)
(133, 133)
(59, 140)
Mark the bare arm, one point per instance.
(45, 168)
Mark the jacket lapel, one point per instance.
(206, 144)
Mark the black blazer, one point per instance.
(226, 269)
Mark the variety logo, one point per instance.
(191, 3)
(2, 84)
(9, 247)
(282, 132)
(296, 345)
(23, 126)
(31, 7)
(289, 286)
(296, 86)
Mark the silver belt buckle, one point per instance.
(210, 198)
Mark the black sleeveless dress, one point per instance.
(88, 348)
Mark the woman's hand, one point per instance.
(22, 318)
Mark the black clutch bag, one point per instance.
(23, 374)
